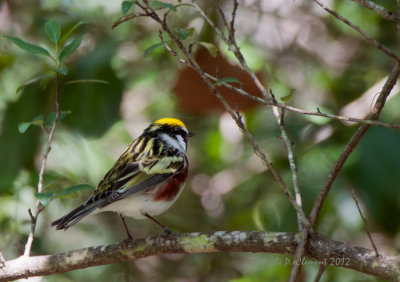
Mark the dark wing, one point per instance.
(141, 176)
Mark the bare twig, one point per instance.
(353, 195)
(126, 18)
(234, 12)
(319, 248)
(280, 119)
(170, 50)
(270, 102)
(299, 254)
(369, 39)
(353, 142)
(379, 10)
(39, 209)
(320, 272)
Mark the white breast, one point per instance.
(137, 204)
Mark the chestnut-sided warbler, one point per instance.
(145, 181)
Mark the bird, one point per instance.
(145, 180)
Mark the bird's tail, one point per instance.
(74, 216)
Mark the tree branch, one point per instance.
(379, 10)
(324, 251)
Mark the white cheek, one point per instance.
(177, 143)
(181, 142)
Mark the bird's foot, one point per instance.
(128, 240)
(166, 232)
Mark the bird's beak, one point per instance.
(191, 134)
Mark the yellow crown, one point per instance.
(170, 121)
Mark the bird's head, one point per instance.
(172, 132)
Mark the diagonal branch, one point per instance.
(369, 39)
(379, 10)
(353, 195)
(319, 248)
(353, 142)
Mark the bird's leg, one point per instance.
(130, 238)
(166, 229)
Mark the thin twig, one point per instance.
(31, 216)
(369, 39)
(299, 254)
(379, 10)
(233, 19)
(170, 50)
(320, 272)
(39, 209)
(353, 195)
(270, 102)
(126, 18)
(281, 121)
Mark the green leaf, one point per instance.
(44, 197)
(184, 4)
(23, 126)
(226, 80)
(161, 5)
(73, 189)
(70, 48)
(152, 48)
(47, 186)
(33, 80)
(52, 116)
(38, 121)
(288, 97)
(126, 6)
(31, 48)
(212, 49)
(185, 32)
(62, 70)
(53, 30)
(71, 30)
(86, 81)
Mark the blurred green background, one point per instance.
(292, 45)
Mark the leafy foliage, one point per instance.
(29, 47)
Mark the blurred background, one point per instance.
(294, 47)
